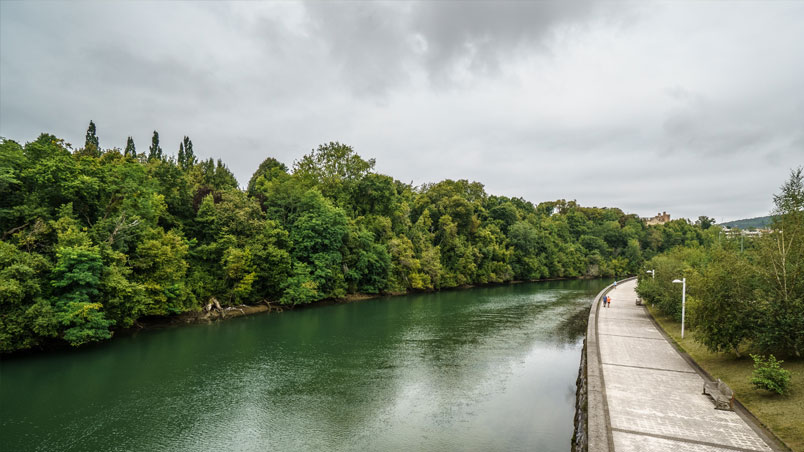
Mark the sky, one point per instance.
(694, 108)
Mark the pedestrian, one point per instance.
(604, 301)
(608, 300)
(615, 284)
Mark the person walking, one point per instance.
(605, 301)
(615, 284)
(608, 300)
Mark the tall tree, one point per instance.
(188, 159)
(155, 151)
(781, 264)
(180, 158)
(92, 144)
(130, 150)
(727, 313)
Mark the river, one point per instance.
(489, 368)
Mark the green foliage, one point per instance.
(300, 288)
(155, 151)
(186, 157)
(269, 169)
(660, 291)
(335, 169)
(742, 295)
(160, 266)
(76, 280)
(769, 375)
(22, 308)
(367, 262)
(317, 234)
(727, 314)
(131, 150)
(94, 241)
(705, 222)
(780, 259)
(91, 143)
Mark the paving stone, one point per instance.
(627, 442)
(638, 352)
(644, 329)
(653, 395)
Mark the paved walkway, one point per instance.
(653, 395)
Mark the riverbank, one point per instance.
(231, 312)
(216, 314)
(782, 415)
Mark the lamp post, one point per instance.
(683, 282)
(652, 273)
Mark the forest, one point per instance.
(744, 293)
(95, 239)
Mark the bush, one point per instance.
(769, 375)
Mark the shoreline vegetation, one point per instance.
(93, 240)
(262, 307)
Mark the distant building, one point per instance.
(733, 232)
(660, 218)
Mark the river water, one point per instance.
(478, 369)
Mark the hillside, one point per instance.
(749, 223)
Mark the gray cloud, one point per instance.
(481, 35)
(691, 108)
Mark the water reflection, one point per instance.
(480, 369)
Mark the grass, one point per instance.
(783, 415)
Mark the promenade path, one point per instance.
(653, 394)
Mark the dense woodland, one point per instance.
(744, 294)
(94, 239)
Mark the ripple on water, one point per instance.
(478, 369)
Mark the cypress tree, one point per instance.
(92, 145)
(189, 157)
(155, 151)
(181, 155)
(130, 149)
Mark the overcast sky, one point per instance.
(690, 108)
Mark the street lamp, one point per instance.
(652, 273)
(683, 282)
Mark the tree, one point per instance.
(269, 169)
(727, 312)
(130, 150)
(368, 262)
(186, 158)
(705, 222)
(75, 279)
(25, 316)
(506, 214)
(527, 262)
(91, 144)
(160, 265)
(781, 265)
(155, 151)
(334, 169)
(317, 234)
(660, 291)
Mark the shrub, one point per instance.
(769, 375)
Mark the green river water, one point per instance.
(479, 369)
